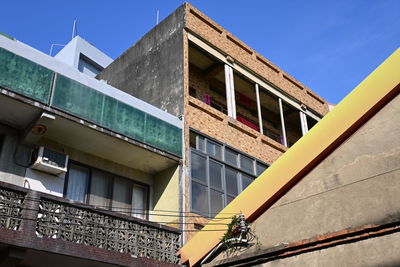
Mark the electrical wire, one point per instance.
(102, 226)
(146, 211)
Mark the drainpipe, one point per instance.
(183, 183)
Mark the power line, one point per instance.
(145, 211)
(102, 226)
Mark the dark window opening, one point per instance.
(106, 190)
(207, 78)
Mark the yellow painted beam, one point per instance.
(367, 98)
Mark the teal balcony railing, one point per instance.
(27, 78)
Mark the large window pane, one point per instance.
(231, 156)
(213, 149)
(200, 143)
(231, 181)
(139, 201)
(122, 195)
(215, 174)
(261, 168)
(229, 199)
(77, 183)
(198, 167)
(217, 202)
(246, 164)
(246, 181)
(99, 192)
(199, 198)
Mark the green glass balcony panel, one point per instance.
(87, 103)
(109, 117)
(163, 135)
(130, 121)
(25, 77)
(78, 99)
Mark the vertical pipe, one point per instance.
(282, 122)
(182, 183)
(259, 109)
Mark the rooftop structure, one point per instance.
(82, 55)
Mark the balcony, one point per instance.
(86, 98)
(34, 224)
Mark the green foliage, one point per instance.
(234, 232)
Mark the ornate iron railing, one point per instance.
(11, 204)
(39, 215)
(74, 224)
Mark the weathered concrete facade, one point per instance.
(353, 190)
(152, 69)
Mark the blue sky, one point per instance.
(330, 46)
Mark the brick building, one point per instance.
(336, 205)
(240, 111)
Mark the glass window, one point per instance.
(246, 163)
(215, 174)
(246, 181)
(199, 198)
(192, 139)
(106, 190)
(213, 149)
(260, 168)
(229, 199)
(198, 167)
(231, 181)
(231, 156)
(200, 143)
(122, 196)
(99, 186)
(77, 183)
(217, 180)
(217, 200)
(139, 201)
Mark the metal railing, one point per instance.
(40, 215)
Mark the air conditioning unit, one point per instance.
(46, 160)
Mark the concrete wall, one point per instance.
(10, 172)
(357, 185)
(152, 69)
(166, 196)
(378, 251)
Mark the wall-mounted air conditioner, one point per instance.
(46, 160)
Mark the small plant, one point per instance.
(238, 229)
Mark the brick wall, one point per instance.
(228, 44)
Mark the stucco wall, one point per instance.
(358, 184)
